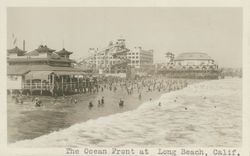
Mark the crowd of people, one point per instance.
(136, 87)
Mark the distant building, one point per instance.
(190, 65)
(169, 57)
(140, 59)
(117, 58)
(111, 59)
(195, 60)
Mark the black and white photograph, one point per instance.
(118, 77)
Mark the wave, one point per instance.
(202, 114)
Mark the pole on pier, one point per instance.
(78, 87)
(53, 85)
(49, 81)
(70, 83)
(62, 85)
(41, 90)
(30, 86)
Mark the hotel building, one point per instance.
(139, 58)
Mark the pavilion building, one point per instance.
(191, 65)
(44, 70)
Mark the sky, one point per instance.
(215, 31)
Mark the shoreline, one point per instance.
(62, 108)
(151, 125)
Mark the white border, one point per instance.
(4, 150)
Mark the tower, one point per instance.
(170, 57)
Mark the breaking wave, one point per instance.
(203, 114)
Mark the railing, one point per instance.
(47, 86)
(43, 86)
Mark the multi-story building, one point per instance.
(116, 58)
(139, 58)
(112, 59)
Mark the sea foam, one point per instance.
(202, 114)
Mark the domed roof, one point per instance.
(193, 56)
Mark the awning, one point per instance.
(69, 73)
(17, 70)
(42, 75)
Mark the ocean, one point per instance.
(205, 114)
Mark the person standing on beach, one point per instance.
(99, 103)
(121, 103)
(71, 99)
(102, 100)
(75, 101)
(90, 105)
(38, 102)
(16, 99)
(140, 96)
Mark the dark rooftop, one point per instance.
(52, 58)
(44, 49)
(64, 52)
(16, 50)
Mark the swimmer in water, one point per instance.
(90, 105)
(121, 103)
(99, 103)
(102, 100)
(38, 102)
(71, 99)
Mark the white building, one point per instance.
(195, 60)
(105, 59)
(140, 58)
